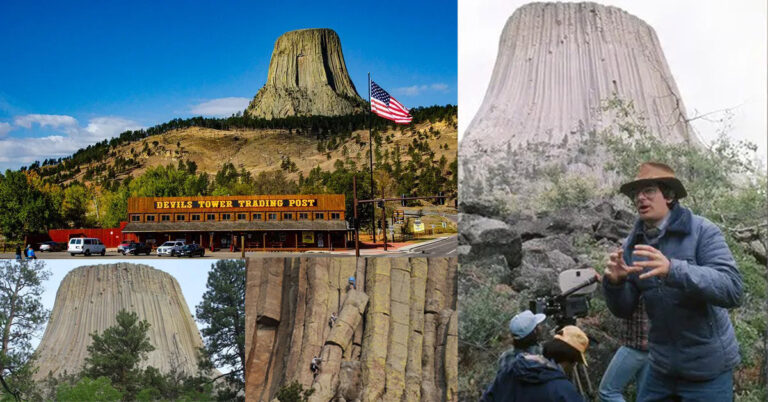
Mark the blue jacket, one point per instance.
(691, 336)
(532, 378)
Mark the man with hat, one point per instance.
(682, 268)
(535, 377)
(526, 333)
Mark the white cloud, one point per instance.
(220, 106)
(418, 89)
(18, 151)
(100, 128)
(5, 128)
(46, 120)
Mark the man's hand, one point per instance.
(616, 269)
(658, 263)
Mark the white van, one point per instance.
(86, 246)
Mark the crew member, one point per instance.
(681, 266)
(526, 334)
(534, 378)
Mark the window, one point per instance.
(165, 218)
(226, 217)
(335, 215)
(287, 216)
(257, 217)
(303, 215)
(210, 217)
(319, 215)
(150, 218)
(242, 217)
(272, 216)
(180, 217)
(194, 217)
(135, 218)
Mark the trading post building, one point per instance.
(259, 222)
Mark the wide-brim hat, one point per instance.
(651, 173)
(576, 338)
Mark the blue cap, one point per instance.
(352, 278)
(524, 323)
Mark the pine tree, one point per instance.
(117, 352)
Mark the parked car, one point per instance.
(86, 246)
(123, 245)
(191, 250)
(170, 248)
(137, 248)
(51, 246)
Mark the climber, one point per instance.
(332, 320)
(315, 365)
(351, 283)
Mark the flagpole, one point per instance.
(370, 138)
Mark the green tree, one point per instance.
(25, 209)
(222, 310)
(87, 389)
(22, 316)
(117, 352)
(74, 207)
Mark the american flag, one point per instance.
(388, 107)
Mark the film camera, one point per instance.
(573, 301)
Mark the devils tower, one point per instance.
(395, 337)
(557, 62)
(307, 77)
(90, 297)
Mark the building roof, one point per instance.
(236, 226)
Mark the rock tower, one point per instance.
(395, 338)
(90, 297)
(307, 76)
(556, 63)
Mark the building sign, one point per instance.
(308, 237)
(255, 203)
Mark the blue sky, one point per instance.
(75, 73)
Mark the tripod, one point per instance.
(580, 376)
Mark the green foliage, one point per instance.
(222, 310)
(569, 190)
(87, 389)
(22, 316)
(294, 392)
(74, 207)
(117, 352)
(484, 314)
(25, 209)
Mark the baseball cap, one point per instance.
(524, 323)
(576, 338)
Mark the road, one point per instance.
(441, 248)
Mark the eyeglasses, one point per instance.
(648, 192)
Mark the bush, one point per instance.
(293, 392)
(86, 389)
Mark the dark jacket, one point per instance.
(691, 335)
(532, 378)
